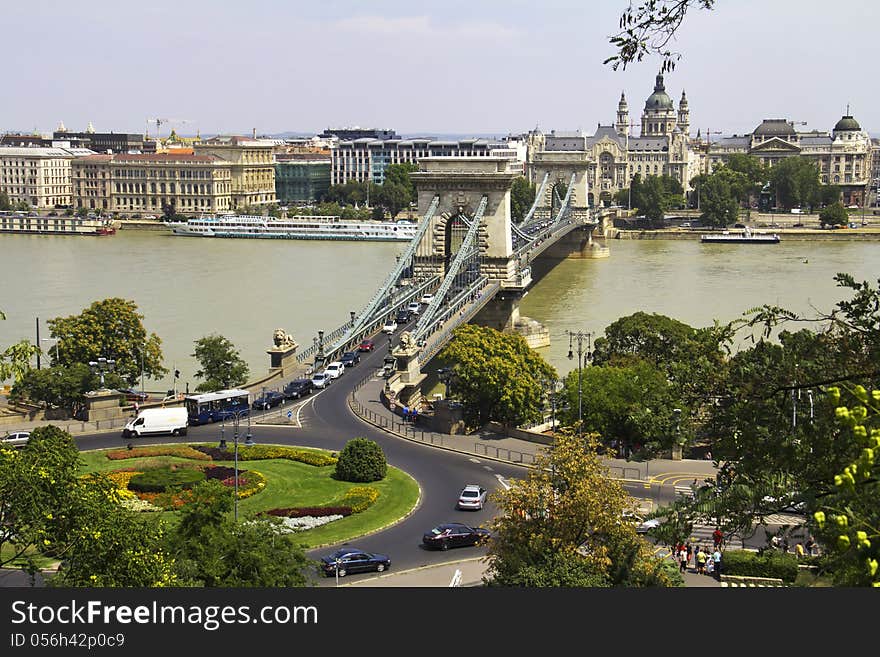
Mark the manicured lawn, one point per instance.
(294, 484)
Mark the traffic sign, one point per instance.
(289, 414)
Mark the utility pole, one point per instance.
(580, 336)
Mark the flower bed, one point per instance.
(261, 452)
(182, 451)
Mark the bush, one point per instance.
(770, 563)
(162, 479)
(361, 460)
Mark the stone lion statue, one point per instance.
(406, 340)
(282, 338)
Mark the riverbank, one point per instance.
(863, 234)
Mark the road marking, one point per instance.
(473, 460)
(502, 481)
(487, 467)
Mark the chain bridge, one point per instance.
(468, 253)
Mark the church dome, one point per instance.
(847, 123)
(775, 128)
(659, 100)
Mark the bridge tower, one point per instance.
(559, 167)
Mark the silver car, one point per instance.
(16, 438)
(321, 380)
(472, 497)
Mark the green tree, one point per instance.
(632, 405)
(62, 386)
(829, 194)
(221, 364)
(755, 175)
(392, 196)
(15, 361)
(111, 329)
(4, 201)
(719, 197)
(653, 200)
(796, 181)
(834, 215)
(398, 174)
(522, 196)
(497, 376)
(563, 525)
(210, 549)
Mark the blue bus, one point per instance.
(217, 406)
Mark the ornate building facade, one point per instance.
(843, 156)
(614, 156)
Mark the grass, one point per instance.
(294, 484)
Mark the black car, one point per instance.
(454, 534)
(298, 388)
(268, 400)
(134, 395)
(351, 560)
(350, 359)
(403, 316)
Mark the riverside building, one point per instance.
(37, 176)
(252, 163)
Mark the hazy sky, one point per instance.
(475, 66)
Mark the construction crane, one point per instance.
(159, 123)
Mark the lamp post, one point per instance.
(236, 416)
(143, 348)
(102, 365)
(580, 336)
(56, 347)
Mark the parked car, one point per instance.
(133, 395)
(427, 298)
(321, 380)
(351, 560)
(366, 345)
(335, 369)
(454, 534)
(350, 359)
(390, 327)
(269, 399)
(415, 307)
(472, 496)
(16, 438)
(298, 388)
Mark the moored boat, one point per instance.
(39, 225)
(301, 228)
(744, 236)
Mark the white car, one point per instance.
(390, 327)
(414, 307)
(16, 438)
(321, 380)
(335, 369)
(472, 497)
(427, 298)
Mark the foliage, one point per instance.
(15, 362)
(159, 480)
(770, 563)
(61, 386)
(5, 204)
(834, 215)
(563, 525)
(631, 405)
(653, 196)
(211, 550)
(796, 181)
(311, 511)
(110, 329)
(181, 451)
(647, 28)
(258, 452)
(522, 195)
(361, 460)
(221, 364)
(359, 498)
(720, 194)
(497, 376)
(398, 191)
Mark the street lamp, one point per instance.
(56, 347)
(235, 416)
(102, 365)
(580, 336)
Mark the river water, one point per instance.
(244, 289)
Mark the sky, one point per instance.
(453, 67)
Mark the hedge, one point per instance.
(770, 563)
(160, 480)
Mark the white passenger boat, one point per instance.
(745, 236)
(297, 228)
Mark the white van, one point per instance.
(152, 421)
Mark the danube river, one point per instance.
(243, 289)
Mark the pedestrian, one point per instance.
(810, 544)
(785, 545)
(799, 549)
(682, 560)
(701, 561)
(137, 409)
(710, 566)
(716, 559)
(405, 413)
(717, 536)
(415, 414)
(690, 550)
